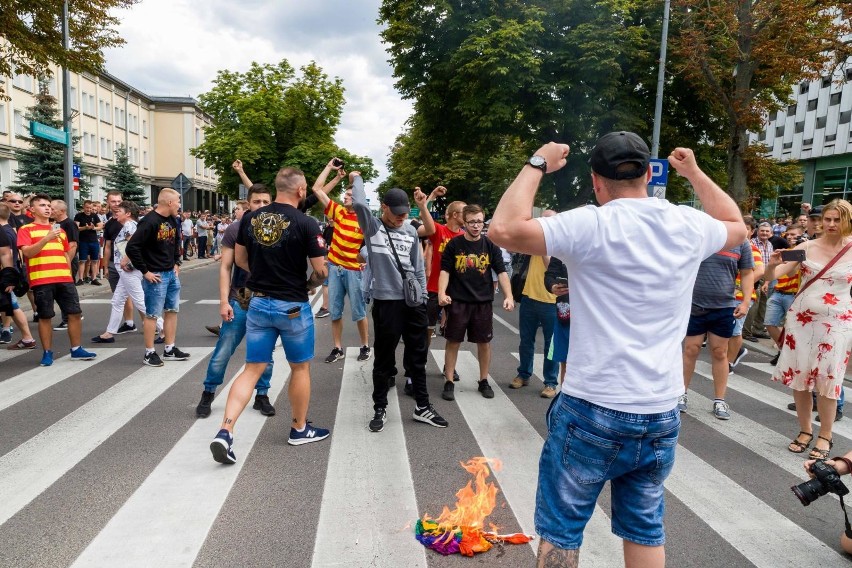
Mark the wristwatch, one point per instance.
(538, 162)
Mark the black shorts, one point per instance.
(475, 319)
(433, 310)
(718, 321)
(64, 294)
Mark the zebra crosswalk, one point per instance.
(129, 463)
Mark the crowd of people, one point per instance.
(709, 278)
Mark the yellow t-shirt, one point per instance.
(534, 286)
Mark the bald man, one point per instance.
(155, 251)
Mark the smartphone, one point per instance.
(795, 255)
(562, 280)
(56, 226)
(337, 163)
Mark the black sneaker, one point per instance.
(79, 283)
(175, 355)
(61, 326)
(408, 389)
(335, 355)
(455, 375)
(152, 359)
(261, 402)
(323, 313)
(96, 282)
(160, 340)
(377, 424)
(203, 408)
(430, 416)
(364, 354)
(486, 389)
(774, 360)
(124, 328)
(449, 391)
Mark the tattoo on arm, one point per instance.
(557, 557)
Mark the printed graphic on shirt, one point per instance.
(480, 262)
(269, 229)
(166, 232)
(401, 242)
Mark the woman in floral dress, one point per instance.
(818, 327)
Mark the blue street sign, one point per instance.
(659, 172)
(76, 171)
(48, 132)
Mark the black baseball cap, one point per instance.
(617, 148)
(816, 211)
(397, 201)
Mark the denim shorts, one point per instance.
(88, 250)
(588, 445)
(163, 295)
(718, 321)
(267, 320)
(739, 323)
(343, 282)
(776, 308)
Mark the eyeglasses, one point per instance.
(474, 223)
(14, 201)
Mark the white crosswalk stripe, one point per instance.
(6, 354)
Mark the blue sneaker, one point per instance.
(81, 354)
(47, 359)
(308, 435)
(222, 447)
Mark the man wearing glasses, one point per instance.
(465, 288)
(16, 204)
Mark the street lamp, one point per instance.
(661, 76)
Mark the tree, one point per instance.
(742, 59)
(269, 117)
(40, 167)
(33, 35)
(121, 176)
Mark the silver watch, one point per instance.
(538, 162)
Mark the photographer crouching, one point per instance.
(825, 478)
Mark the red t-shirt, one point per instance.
(50, 266)
(439, 240)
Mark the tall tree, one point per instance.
(121, 176)
(40, 166)
(742, 59)
(31, 35)
(270, 117)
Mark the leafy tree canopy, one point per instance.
(121, 176)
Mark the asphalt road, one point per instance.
(104, 463)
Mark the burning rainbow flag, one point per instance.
(461, 530)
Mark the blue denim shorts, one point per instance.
(88, 250)
(588, 445)
(739, 323)
(163, 295)
(343, 282)
(776, 308)
(268, 319)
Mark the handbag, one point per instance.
(825, 268)
(412, 291)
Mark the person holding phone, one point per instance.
(817, 342)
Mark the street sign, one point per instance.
(181, 183)
(659, 172)
(415, 212)
(75, 170)
(48, 132)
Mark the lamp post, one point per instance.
(66, 119)
(661, 76)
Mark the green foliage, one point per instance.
(121, 176)
(33, 35)
(40, 167)
(270, 117)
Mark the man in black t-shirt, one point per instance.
(274, 244)
(466, 289)
(88, 246)
(17, 217)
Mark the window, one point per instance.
(787, 145)
(834, 99)
(812, 104)
(820, 123)
(762, 136)
(804, 87)
(75, 138)
(103, 147)
(51, 86)
(133, 121)
(808, 142)
(92, 105)
(24, 82)
(779, 132)
(849, 73)
(74, 104)
(831, 138)
(145, 128)
(105, 111)
(845, 116)
(3, 129)
(826, 82)
(22, 125)
(791, 110)
(145, 159)
(800, 127)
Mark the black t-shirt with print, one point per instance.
(279, 240)
(87, 235)
(469, 264)
(154, 246)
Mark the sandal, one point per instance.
(818, 454)
(798, 447)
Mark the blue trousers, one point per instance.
(535, 314)
(230, 336)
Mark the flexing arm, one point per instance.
(238, 167)
(320, 188)
(422, 201)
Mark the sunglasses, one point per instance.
(14, 201)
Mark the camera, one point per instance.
(826, 480)
(337, 163)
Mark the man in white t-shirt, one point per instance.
(615, 418)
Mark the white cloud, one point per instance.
(175, 48)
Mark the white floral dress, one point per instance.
(818, 328)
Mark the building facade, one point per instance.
(816, 130)
(158, 133)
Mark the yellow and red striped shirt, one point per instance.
(50, 266)
(788, 284)
(758, 261)
(347, 237)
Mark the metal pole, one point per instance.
(66, 119)
(661, 76)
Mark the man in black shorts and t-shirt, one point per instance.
(88, 248)
(466, 289)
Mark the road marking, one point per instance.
(509, 326)
(25, 385)
(538, 365)
(368, 484)
(108, 301)
(208, 302)
(36, 464)
(744, 520)
(490, 421)
(166, 520)
(6, 354)
(770, 396)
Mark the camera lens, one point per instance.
(809, 491)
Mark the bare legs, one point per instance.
(299, 392)
(635, 556)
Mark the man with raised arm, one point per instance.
(617, 406)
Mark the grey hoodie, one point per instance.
(386, 280)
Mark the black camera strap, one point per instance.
(846, 518)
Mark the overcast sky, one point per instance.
(175, 48)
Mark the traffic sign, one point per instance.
(48, 132)
(415, 212)
(181, 183)
(659, 172)
(75, 170)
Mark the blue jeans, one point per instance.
(230, 335)
(535, 314)
(162, 295)
(268, 319)
(588, 445)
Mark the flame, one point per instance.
(476, 500)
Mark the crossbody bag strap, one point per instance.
(825, 268)
(393, 250)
